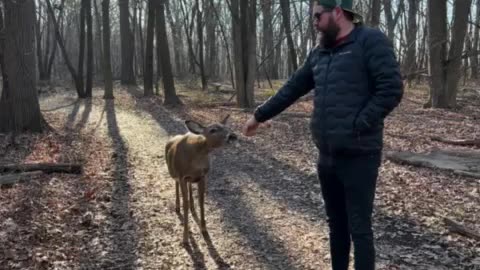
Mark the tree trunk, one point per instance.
(225, 42)
(142, 43)
(285, 6)
(200, 46)
(170, 94)
(127, 44)
(244, 47)
(38, 30)
(2, 54)
(375, 14)
(20, 109)
(81, 54)
(157, 46)
(410, 60)
(474, 57)
(268, 47)
(459, 30)
(89, 83)
(177, 39)
(98, 37)
(211, 65)
(437, 42)
(107, 64)
(390, 18)
(58, 36)
(148, 76)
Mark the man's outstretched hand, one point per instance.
(251, 126)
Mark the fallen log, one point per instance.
(18, 177)
(44, 167)
(460, 229)
(456, 142)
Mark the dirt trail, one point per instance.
(261, 213)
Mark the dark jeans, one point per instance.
(348, 189)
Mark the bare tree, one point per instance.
(244, 48)
(76, 78)
(88, 15)
(107, 64)
(19, 106)
(267, 45)
(285, 6)
(200, 45)
(375, 13)
(445, 72)
(410, 60)
(474, 57)
(127, 44)
(171, 97)
(392, 19)
(148, 76)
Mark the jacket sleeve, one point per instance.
(386, 81)
(299, 84)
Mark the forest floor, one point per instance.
(263, 206)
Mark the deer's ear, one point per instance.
(194, 127)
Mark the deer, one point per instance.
(187, 159)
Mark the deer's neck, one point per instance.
(201, 144)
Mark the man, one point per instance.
(357, 83)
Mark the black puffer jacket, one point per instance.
(357, 84)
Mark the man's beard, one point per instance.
(329, 35)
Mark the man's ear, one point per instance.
(194, 127)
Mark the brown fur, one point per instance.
(187, 158)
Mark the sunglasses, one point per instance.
(318, 15)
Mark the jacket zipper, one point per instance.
(324, 117)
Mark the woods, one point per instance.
(212, 41)
(92, 89)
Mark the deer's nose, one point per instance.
(231, 137)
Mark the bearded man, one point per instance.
(357, 82)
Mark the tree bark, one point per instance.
(78, 81)
(410, 60)
(476, 29)
(19, 106)
(44, 167)
(375, 14)
(148, 76)
(200, 46)
(211, 59)
(268, 47)
(127, 44)
(89, 82)
(107, 64)
(244, 47)
(170, 94)
(437, 42)
(2, 53)
(81, 54)
(285, 6)
(177, 39)
(459, 30)
(98, 37)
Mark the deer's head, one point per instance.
(216, 134)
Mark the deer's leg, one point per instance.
(183, 187)
(177, 197)
(190, 195)
(201, 201)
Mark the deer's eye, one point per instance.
(213, 130)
